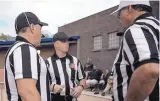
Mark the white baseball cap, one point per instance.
(125, 3)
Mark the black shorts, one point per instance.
(61, 98)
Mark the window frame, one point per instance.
(101, 43)
(113, 45)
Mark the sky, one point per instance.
(55, 12)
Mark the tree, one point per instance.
(3, 37)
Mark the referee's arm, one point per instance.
(144, 49)
(26, 64)
(81, 75)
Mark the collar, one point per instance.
(56, 57)
(143, 16)
(19, 38)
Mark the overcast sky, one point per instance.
(55, 12)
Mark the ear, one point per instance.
(56, 44)
(32, 28)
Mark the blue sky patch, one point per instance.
(3, 23)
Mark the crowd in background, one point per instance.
(98, 80)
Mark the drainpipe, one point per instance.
(78, 48)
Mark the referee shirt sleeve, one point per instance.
(26, 62)
(80, 71)
(142, 46)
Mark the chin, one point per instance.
(65, 51)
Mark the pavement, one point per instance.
(90, 96)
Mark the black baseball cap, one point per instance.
(25, 19)
(60, 36)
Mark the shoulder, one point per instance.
(74, 58)
(132, 28)
(136, 31)
(25, 47)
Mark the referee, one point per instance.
(66, 71)
(25, 71)
(136, 67)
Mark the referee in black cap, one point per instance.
(66, 72)
(25, 71)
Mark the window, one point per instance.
(113, 41)
(97, 42)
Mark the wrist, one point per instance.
(53, 87)
(81, 87)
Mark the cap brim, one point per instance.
(43, 24)
(64, 39)
(115, 13)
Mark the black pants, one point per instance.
(61, 98)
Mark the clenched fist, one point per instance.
(57, 88)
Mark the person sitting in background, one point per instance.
(109, 85)
(93, 80)
(88, 67)
(104, 79)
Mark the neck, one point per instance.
(60, 54)
(27, 37)
(137, 14)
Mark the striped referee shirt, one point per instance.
(23, 61)
(140, 45)
(65, 71)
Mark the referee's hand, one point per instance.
(76, 92)
(57, 89)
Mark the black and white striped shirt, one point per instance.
(140, 45)
(67, 71)
(23, 61)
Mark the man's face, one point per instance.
(37, 34)
(125, 17)
(62, 46)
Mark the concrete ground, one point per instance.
(89, 96)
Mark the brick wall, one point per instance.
(98, 24)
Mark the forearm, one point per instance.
(30, 95)
(101, 76)
(107, 88)
(142, 83)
